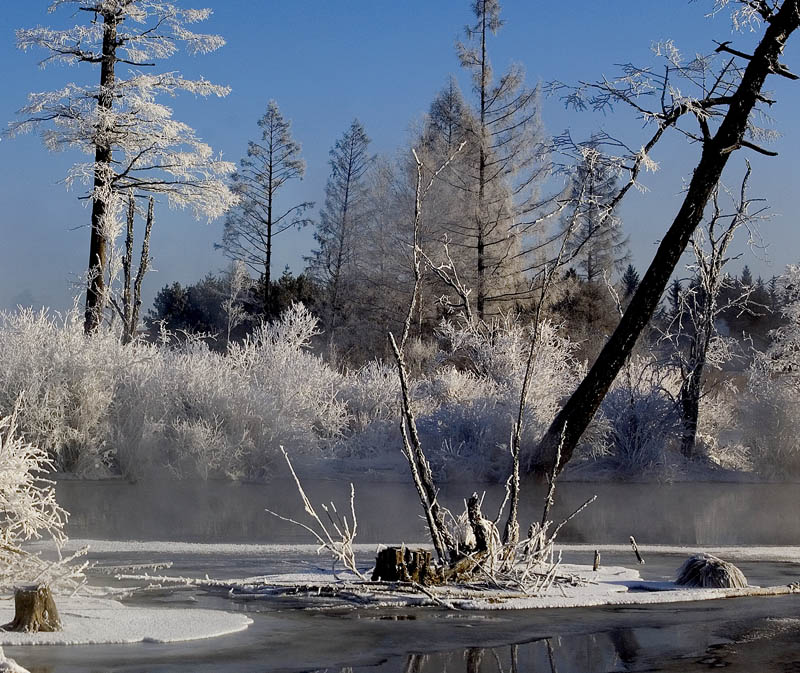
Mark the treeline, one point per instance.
(228, 306)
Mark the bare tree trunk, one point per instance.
(690, 407)
(482, 214)
(127, 263)
(144, 263)
(96, 288)
(579, 410)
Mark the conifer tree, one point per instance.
(333, 263)
(256, 220)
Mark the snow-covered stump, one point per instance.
(709, 572)
(399, 564)
(34, 610)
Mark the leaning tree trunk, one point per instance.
(34, 610)
(96, 286)
(690, 407)
(570, 423)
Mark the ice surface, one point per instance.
(95, 621)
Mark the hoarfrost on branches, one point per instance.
(29, 511)
(136, 146)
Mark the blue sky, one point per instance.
(381, 61)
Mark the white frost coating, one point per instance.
(92, 621)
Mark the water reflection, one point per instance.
(614, 651)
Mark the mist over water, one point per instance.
(215, 511)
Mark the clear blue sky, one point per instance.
(381, 61)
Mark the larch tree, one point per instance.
(722, 116)
(506, 163)
(136, 145)
(257, 219)
(340, 226)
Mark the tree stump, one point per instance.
(398, 564)
(34, 610)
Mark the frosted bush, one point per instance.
(771, 423)
(641, 414)
(95, 405)
(466, 405)
(66, 381)
(719, 427)
(372, 394)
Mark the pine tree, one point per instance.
(747, 277)
(630, 281)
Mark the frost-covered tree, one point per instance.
(30, 511)
(505, 167)
(136, 145)
(716, 105)
(252, 225)
(340, 222)
(697, 345)
(597, 245)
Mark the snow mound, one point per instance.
(94, 621)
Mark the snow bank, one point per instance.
(581, 587)
(94, 621)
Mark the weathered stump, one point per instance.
(709, 572)
(399, 564)
(34, 610)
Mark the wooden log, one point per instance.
(636, 550)
(34, 610)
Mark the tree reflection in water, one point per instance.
(617, 649)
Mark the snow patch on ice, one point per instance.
(95, 621)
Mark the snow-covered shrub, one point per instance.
(470, 402)
(718, 427)
(641, 415)
(372, 394)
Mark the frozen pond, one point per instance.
(753, 634)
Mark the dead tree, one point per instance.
(731, 104)
(131, 305)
